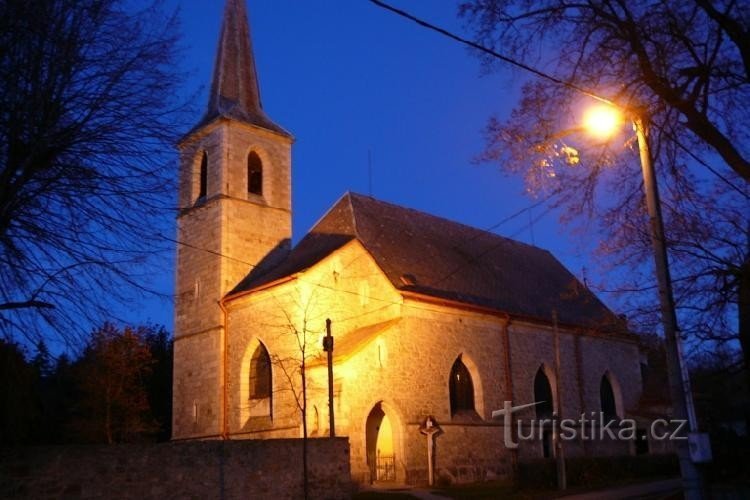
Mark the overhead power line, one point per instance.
(537, 72)
(493, 53)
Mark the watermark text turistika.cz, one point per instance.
(589, 427)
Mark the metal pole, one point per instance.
(328, 347)
(679, 382)
(562, 480)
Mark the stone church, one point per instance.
(430, 318)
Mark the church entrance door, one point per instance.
(381, 459)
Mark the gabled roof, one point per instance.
(235, 91)
(429, 255)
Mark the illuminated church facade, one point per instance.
(430, 318)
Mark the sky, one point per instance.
(352, 81)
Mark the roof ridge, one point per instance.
(333, 207)
(452, 221)
(357, 234)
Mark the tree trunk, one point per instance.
(743, 309)
(304, 426)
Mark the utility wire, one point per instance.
(538, 73)
(704, 163)
(493, 53)
(380, 299)
(212, 252)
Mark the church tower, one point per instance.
(234, 216)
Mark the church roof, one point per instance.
(429, 255)
(354, 341)
(235, 91)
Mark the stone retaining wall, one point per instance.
(197, 469)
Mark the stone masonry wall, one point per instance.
(222, 238)
(403, 369)
(584, 361)
(254, 469)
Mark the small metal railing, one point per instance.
(385, 468)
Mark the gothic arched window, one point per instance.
(461, 388)
(203, 186)
(543, 395)
(607, 399)
(254, 174)
(260, 374)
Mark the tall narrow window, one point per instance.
(543, 395)
(260, 374)
(203, 187)
(254, 174)
(461, 388)
(607, 398)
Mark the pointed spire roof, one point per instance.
(235, 92)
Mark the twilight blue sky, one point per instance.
(346, 77)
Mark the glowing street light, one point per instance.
(603, 121)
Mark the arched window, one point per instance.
(543, 395)
(461, 388)
(254, 174)
(203, 187)
(260, 374)
(607, 399)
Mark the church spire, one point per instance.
(235, 91)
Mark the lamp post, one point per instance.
(328, 348)
(603, 120)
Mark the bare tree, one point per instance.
(687, 63)
(683, 67)
(298, 328)
(89, 110)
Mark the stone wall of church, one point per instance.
(221, 239)
(341, 288)
(196, 400)
(585, 358)
(404, 370)
(412, 383)
(198, 469)
(257, 229)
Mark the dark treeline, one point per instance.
(119, 389)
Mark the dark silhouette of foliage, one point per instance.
(112, 375)
(20, 410)
(117, 390)
(159, 383)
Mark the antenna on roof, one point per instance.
(369, 172)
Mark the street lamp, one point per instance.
(602, 121)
